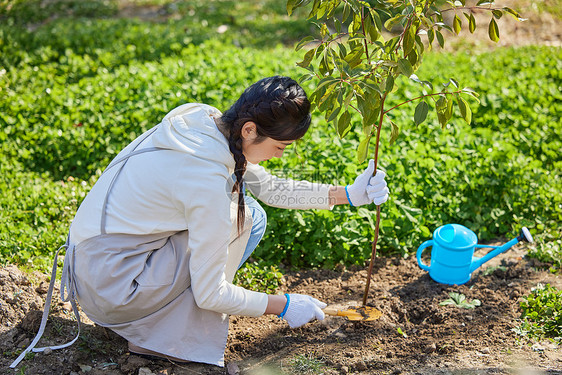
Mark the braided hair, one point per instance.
(280, 109)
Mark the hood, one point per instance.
(190, 129)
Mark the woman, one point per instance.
(155, 244)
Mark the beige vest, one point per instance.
(140, 287)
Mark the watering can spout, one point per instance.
(524, 235)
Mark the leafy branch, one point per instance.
(357, 68)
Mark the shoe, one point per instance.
(152, 354)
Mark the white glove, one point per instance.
(368, 188)
(301, 309)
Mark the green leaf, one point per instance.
(324, 30)
(389, 83)
(469, 90)
(472, 93)
(459, 300)
(372, 30)
(394, 132)
(326, 81)
(471, 22)
(405, 67)
(342, 50)
(321, 10)
(430, 36)
(493, 31)
(331, 114)
(441, 104)
(294, 4)
(372, 116)
(497, 13)
(409, 39)
(363, 149)
(326, 66)
(348, 97)
(441, 107)
(457, 24)
(346, 12)
(440, 38)
(420, 46)
(376, 19)
(514, 13)
(305, 77)
(338, 26)
(343, 125)
(291, 5)
(390, 44)
(362, 105)
(389, 24)
(307, 59)
(466, 113)
(328, 100)
(319, 50)
(369, 108)
(304, 42)
(413, 59)
(449, 109)
(331, 10)
(355, 25)
(353, 58)
(421, 112)
(367, 129)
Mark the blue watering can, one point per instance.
(452, 253)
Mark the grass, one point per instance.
(306, 364)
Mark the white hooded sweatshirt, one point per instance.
(183, 188)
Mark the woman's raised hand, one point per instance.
(368, 188)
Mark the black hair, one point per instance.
(280, 109)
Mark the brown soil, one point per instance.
(437, 339)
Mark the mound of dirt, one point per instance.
(415, 335)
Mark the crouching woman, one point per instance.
(154, 246)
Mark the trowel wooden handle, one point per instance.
(331, 311)
(335, 312)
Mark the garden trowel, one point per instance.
(355, 313)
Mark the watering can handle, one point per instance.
(422, 265)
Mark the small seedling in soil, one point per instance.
(459, 300)
(401, 333)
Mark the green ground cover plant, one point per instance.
(542, 314)
(74, 91)
(255, 276)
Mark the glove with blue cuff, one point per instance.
(368, 188)
(301, 309)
